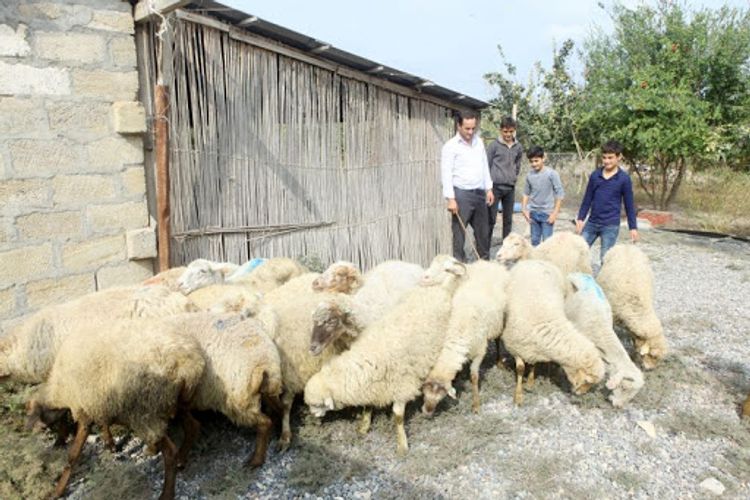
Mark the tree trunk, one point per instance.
(677, 182)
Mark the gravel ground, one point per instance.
(681, 437)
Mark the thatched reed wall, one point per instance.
(271, 155)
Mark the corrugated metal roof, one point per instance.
(325, 51)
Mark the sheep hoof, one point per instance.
(254, 462)
(402, 451)
(282, 445)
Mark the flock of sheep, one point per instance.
(246, 340)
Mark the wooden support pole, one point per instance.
(161, 132)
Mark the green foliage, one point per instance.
(543, 107)
(672, 87)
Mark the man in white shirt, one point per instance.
(467, 185)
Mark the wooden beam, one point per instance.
(145, 10)
(161, 131)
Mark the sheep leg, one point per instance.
(262, 437)
(109, 441)
(475, 383)
(73, 455)
(530, 379)
(169, 452)
(191, 428)
(365, 421)
(518, 395)
(286, 429)
(398, 417)
(500, 357)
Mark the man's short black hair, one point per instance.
(535, 152)
(612, 147)
(508, 122)
(466, 114)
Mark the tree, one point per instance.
(673, 88)
(544, 106)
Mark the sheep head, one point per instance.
(202, 272)
(651, 350)
(514, 248)
(443, 270)
(318, 397)
(582, 378)
(624, 387)
(332, 320)
(433, 392)
(341, 277)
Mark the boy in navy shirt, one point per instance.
(608, 188)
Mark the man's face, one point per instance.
(508, 134)
(610, 161)
(537, 163)
(466, 128)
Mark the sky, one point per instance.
(450, 43)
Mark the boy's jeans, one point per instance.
(540, 228)
(608, 235)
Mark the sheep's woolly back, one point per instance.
(537, 329)
(242, 364)
(590, 312)
(29, 349)
(477, 315)
(133, 372)
(628, 283)
(391, 359)
(286, 314)
(203, 272)
(384, 285)
(566, 250)
(271, 274)
(225, 297)
(166, 278)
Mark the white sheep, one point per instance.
(168, 278)
(477, 315)
(242, 367)
(271, 274)
(134, 372)
(589, 311)
(566, 250)
(388, 363)
(203, 272)
(340, 318)
(227, 297)
(628, 283)
(340, 277)
(28, 350)
(537, 329)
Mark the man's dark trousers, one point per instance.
(472, 208)
(505, 194)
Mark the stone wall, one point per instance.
(73, 214)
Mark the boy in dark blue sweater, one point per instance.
(608, 188)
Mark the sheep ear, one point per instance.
(645, 349)
(329, 403)
(452, 392)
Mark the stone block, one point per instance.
(107, 20)
(131, 273)
(7, 232)
(131, 215)
(141, 243)
(7, 302)
(134, 181)
(53, 225)
(55, 291)
(13, 42)
(21, 116)
(20, 79)
(45, 158)
(122, 52)
(70, 48)
(82, 190)
(92, 254)
(21, 265)
(63, 16)
(23, 196)
(112, 153)
(105, 85)
(128, 117)
(79, 119)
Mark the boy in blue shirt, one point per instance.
(543, 194)
(608, 188)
